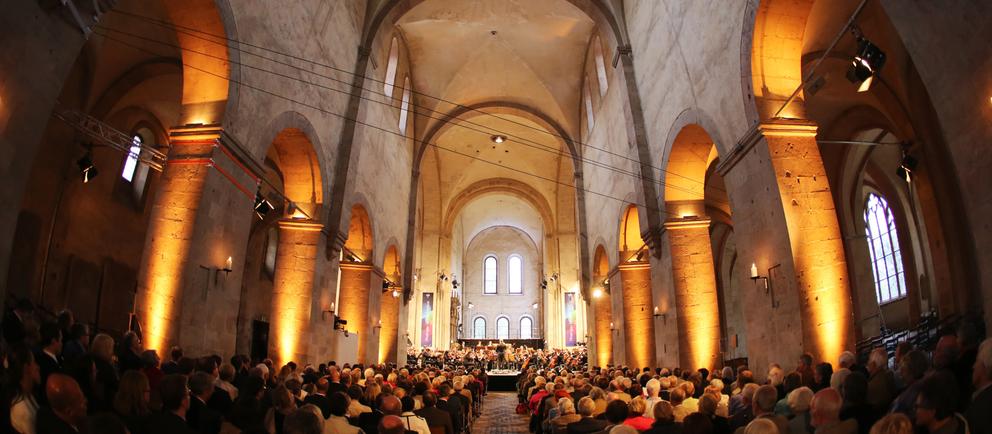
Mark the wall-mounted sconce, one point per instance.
(658, 313)
(471, 306)
(454, 282)
(378, 325)
(535, 306)
(612, 327)
(755, 276)
(329, 310)
(597, 293)
(443, 277)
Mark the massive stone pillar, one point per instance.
(603, 317)
(353, 303)
(292, 289)
(638, 321)
(789, 230)
(199, 224)
(696, 304)
(389, 314)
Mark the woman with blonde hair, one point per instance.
(132, 400)
(372, 391)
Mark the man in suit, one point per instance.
(172, 366)
(587, 424)
(66, 409)
(435, 417)
(981, 402)
(13, 322)
(319, 397)
(386, 405)
(49, 358)
(200, 416)
(334, 384)
(453, 406)
(175, 405)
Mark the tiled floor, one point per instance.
(499, 415)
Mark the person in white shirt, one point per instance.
(25, 375)
(653, 388)
(338, 422)
(411, 421)
(355, 407)
(224, 380)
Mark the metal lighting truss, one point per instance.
(106, 135)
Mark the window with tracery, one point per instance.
(883, 245)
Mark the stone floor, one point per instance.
(499, 415)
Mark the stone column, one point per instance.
(696, 304)
(389, 314)
(638, 322)
(292, 289)
(353, 303)
(788, 228)
(201, 215)
(604, 336)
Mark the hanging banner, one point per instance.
(570, 323)
(427, 320)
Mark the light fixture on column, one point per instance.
(87, 167)
(443, 277)
(866, 64)
(534, 306)
(554, 277)
(471, 306)
(544, 284)
(329, 310)
(597, 293)
(658, 313)
(296, 213)
(454, 282)
(754, 275)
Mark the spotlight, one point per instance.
(454, 284)
(640, 256)
(497, 139)
(386, 285)
(262, 206)
(534, 306)
(907, 165)
(866, 64)
(87, 167)
(444, 278)
(396, 293)
(596, 293)
(544, 284)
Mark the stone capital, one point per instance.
(774, 127)
(300, 225)
(691, 223)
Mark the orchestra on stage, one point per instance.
(499, 356)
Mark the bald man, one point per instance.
(66, 411)
(825, 414)
(391, 424)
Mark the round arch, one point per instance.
(513, 187)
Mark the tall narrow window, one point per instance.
(271, 248)
(526, 328)
(489, 275)
(502, 328)
(479, 328)
(604, 85)
(405, 105)
(590, 119)
(131, 163)
(883, 244)
(394, 57)
(515, 275)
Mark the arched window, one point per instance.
(479, 328)
(516, 275)
(590, 119)
(394, 57)
(131, 163)
(883, 244)
(271, 248)
(604, 85)
(489, 275)
(526, 328)
(502, 328)
(405, 105)
(134, 171)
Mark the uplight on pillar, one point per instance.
(296, 257)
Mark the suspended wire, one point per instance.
(190, 31)
(448, 119)
(389, 131)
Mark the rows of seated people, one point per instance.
(59, 380)
(946, 391)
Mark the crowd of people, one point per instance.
(946, 392)
(499, 356)
(58, 378)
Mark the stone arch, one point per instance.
(685, 166)
(355, 295)
(630, 230)
(203, 29)
(499, 185)
(294, 143)
(772, 51)
(389, 305)
(361, 239)
(131, 78)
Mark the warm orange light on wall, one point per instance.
(697, 305)
(293, 288)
